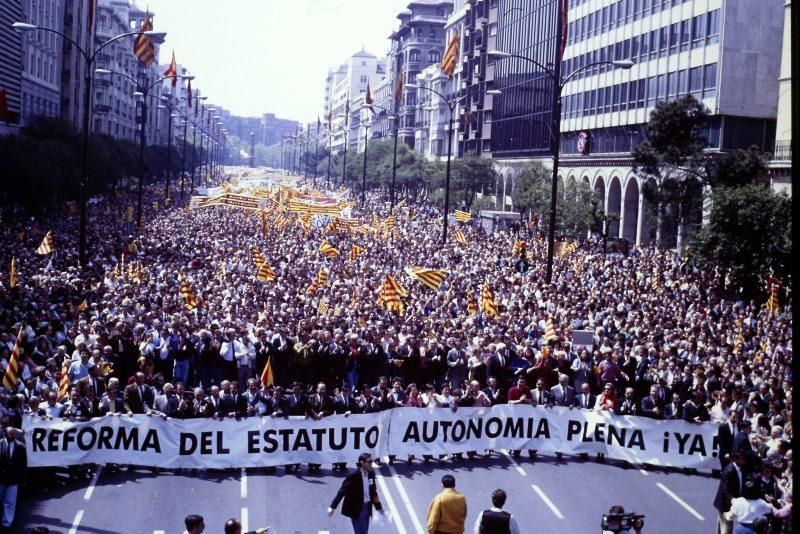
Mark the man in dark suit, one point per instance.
(234, 404)
(651, 406)
(725, 435)
(296, 403)
(13, 468)
(585, 399)
(674, 410)
(628, 405)
(730, 486)
(138, 396)
(319, 405)
(493, 391)
(345, 404)
(360, 495)
(741, 444)
(498, 366)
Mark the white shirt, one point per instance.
(365, 485)
(747, 511)
(512, 523)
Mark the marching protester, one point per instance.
(448, 510)
(495, 519)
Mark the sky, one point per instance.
(270, 56)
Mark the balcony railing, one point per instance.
(783, 150)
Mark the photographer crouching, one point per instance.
(616, 521)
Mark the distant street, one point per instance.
(544, 496)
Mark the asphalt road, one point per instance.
(545, 496)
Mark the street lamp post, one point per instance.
(559, 82)
(395, 118)
(252, 149)
(143, 91)
(366, 126)
(172, 107)
(87, 100)
(451, 106)
(316, 156)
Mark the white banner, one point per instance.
(267, 441)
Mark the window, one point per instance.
(696, 82)
(684, 33)
(363, 79)
(623, 96)
(433, 56)
(698, 30)
(662, 86)
(654, 43)
(615, 98)
(683, 82)
(712, 31)
(710, 85)
(664, 40)
(641, 92)
(414, 56)
(672, 84)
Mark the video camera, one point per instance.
(617, 520)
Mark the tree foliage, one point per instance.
(748, 236)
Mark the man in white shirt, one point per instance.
(495, 519)
(230, 350)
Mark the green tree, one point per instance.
(672, 161)
(748, 236)
(532, 195)
(469, 175)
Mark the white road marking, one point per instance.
(645, 473)
(243, 489)
(76, 522)
(547, 501)
(680, 501)
(511, 459)
(92, 484)
(406, 501)
(245, 520)
(324, 532)
(159, 532)
(396, 519)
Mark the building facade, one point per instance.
(344, 85)
(41, 60)
(73, 67)
(781, 164)
(419, 42)
(723, 52)
(11, 64)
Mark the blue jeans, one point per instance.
(8, 498)
(361, 524)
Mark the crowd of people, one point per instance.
(668, 341)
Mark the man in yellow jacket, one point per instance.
(448, 510)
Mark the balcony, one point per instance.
(783, 151)
(101, 108)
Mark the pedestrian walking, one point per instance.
(448, 510)
(495, 520)
(360, 495)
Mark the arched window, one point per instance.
(414, 56)
(433, 56)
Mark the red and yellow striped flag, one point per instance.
(431, 278)
(472, 306)
(459, 237)
(519, 247)
(264, 225)
(322, 277)
(258, 258)
(63, 381)
(312, 288)
(265, 273)
(12, 371)
(83, 306)
(48, 245)
(189, 300)
(487, 301)
(267, 376)
(390, 294)
(322, 307)
(355, 252)
(143, 46)
(549, 331)
(463, 216)
(12, 275)
(328, 249)
(172, 70)
(450, 58)
(332, 226)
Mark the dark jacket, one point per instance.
(729, 488)
(12, 470)
(352, 491)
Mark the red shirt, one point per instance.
(516, 392)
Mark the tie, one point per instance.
(141, 393)
(585, 400)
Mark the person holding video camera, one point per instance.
(617, 521)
